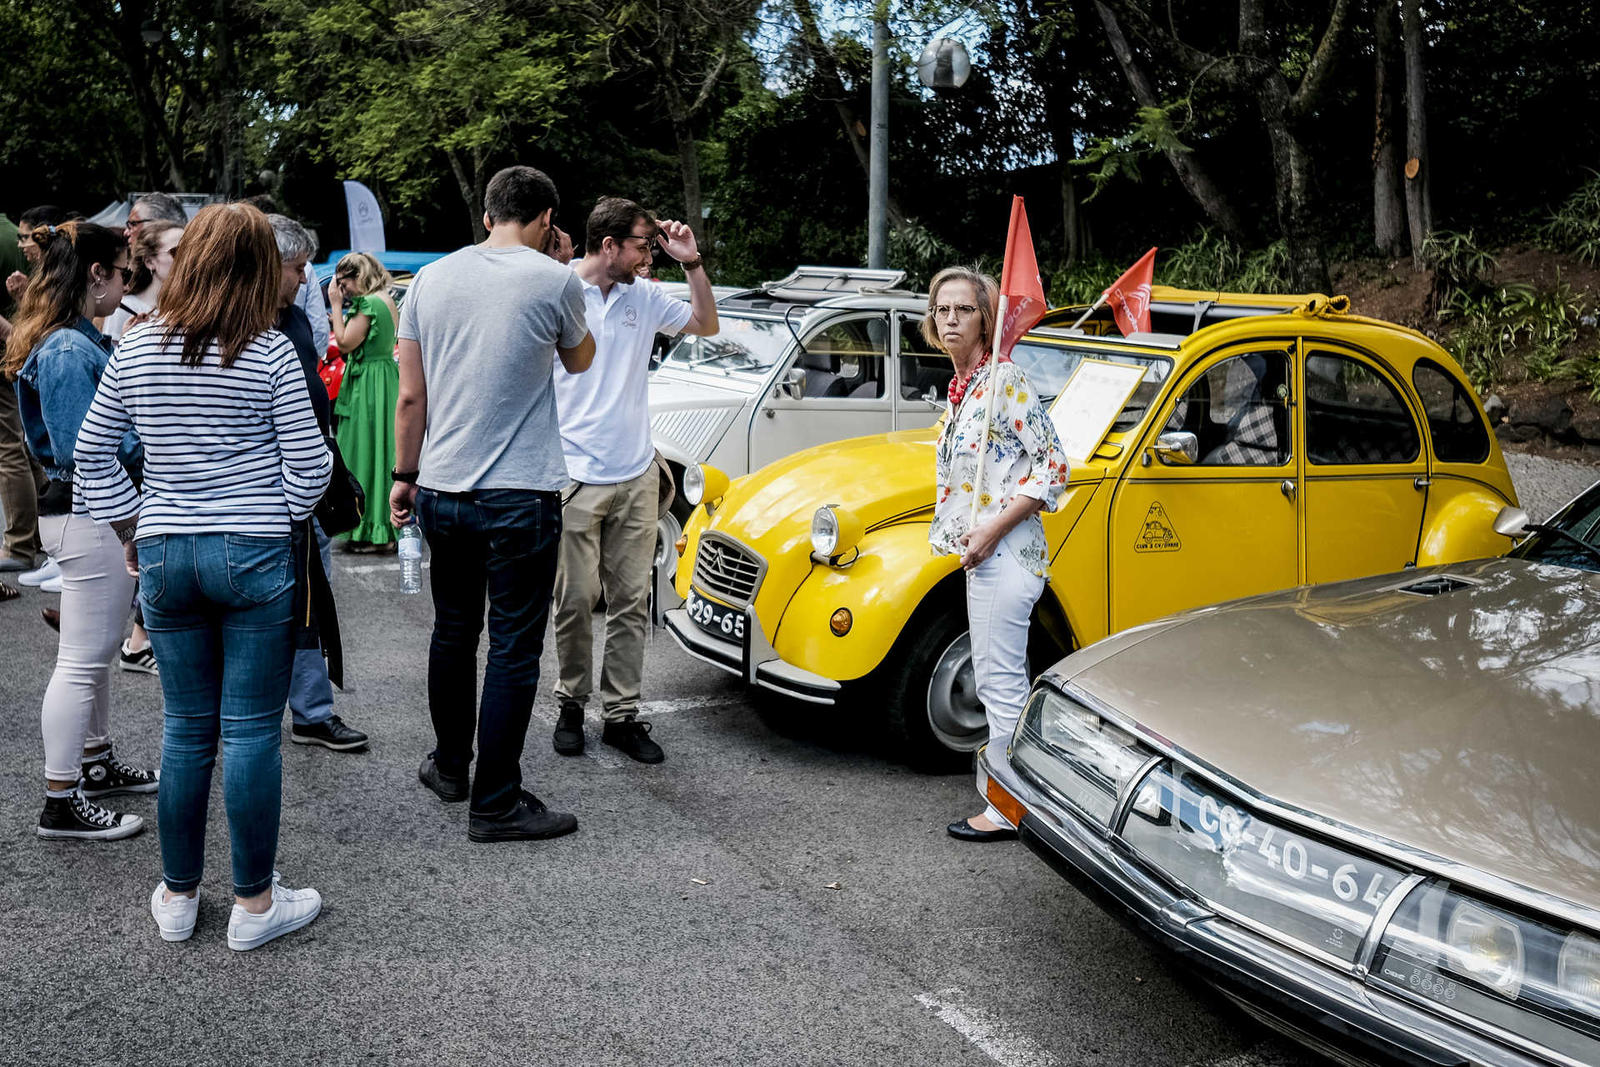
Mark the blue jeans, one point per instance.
(310, 692)
(502, 542)
(220, 611)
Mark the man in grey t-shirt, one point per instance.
(478, 456)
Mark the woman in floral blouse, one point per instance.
(999, 464)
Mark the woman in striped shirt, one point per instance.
(233, 457)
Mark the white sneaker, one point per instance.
(291, 909)
(40, 575)
(175, 917)
(51, 585)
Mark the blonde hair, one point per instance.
(988, 291)
(370, 275)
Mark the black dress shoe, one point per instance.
(964, 831)
(330, 733)
(530, 820)
(447, 786)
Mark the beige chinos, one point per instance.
(21, 482)
(608, 538)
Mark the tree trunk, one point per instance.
(1293, 192)
(1388, 204)
(465, 183)
(1194, 178)
(689, 168)
(1069, 216)
(1419, 197)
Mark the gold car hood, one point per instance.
(1462, 723)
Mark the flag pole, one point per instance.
(1096, 306)
(988, 409)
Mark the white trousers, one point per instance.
(96, 592)
(1000, 596)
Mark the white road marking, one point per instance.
(990, 1034)
(652, 708)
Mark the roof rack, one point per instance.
(812, 283)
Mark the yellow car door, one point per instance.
(1208, 510)
(1366, 474)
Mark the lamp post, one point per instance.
(944, 65)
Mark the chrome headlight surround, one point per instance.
(694, 485)
(1077, 754)
(1523, 975)
(824, 531)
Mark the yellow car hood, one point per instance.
(880, 478)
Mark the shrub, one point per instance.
(1574, 228)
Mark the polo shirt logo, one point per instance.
(630, 317)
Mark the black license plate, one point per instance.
(716, 620)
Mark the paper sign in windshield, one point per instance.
(1090, 402)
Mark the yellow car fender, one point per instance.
(893, 575)
(1460, 523)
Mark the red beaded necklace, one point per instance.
(959, 383)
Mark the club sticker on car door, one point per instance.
(1157, 534)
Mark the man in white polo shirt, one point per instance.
(608, 513)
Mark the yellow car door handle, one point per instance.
(1287, 487)
(1421, 482)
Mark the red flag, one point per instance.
(1020, 283)
(1129, 295)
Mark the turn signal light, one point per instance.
(841, 622)
(681, 544)
(1004, 802)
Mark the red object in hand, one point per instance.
(331, 371)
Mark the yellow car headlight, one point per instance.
(703, 483)
(835, 531)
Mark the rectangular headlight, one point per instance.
(1493, 964)
(1082, 758)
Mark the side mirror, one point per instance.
(932, 397)
(1511, 522)
(794, 384)
(1178, 447)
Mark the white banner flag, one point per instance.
(366, 221)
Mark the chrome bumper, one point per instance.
(755, 660)
(1308, 1000)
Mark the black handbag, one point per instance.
(344, 502)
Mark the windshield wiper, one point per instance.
(1556, 531)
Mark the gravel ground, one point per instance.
(1544, 485)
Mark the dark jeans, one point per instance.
(502, 542)
(220, 610)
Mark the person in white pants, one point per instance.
(998, 464)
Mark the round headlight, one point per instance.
(1487, 947)
(694, 484)
(824, 531)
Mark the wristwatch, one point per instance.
(694, 264)
(409, 477)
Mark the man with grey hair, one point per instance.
(310, 690)
(149, 208)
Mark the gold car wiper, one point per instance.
(1542, 527)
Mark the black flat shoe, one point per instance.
(963, 830)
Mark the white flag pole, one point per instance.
(1096, 306)
(988, 409)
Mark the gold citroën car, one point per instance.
(1272, 441)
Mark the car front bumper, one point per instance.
(753, 659)
(1325, 1008)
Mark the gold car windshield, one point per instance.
(1570, 539)
(1049, 366)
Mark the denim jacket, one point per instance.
(54, 389)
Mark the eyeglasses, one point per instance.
(127, 275)
(647, 238)
(133, 223)
(963, 311)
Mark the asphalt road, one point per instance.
(778, 892)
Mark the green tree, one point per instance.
(391, 89)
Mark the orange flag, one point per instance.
(1020, 283)
(1129, 295)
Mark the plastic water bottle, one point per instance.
(410, 558)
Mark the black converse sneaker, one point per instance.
(106, 774)
(74, 816)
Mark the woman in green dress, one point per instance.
(363, 415)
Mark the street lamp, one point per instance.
(944, 64)
(149, 32)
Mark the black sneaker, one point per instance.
(76, 817)
(106, 775)
(530, 820)
(568, 738)
(447, 786)
(143, 661)
(329, 733)
(632, 736)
